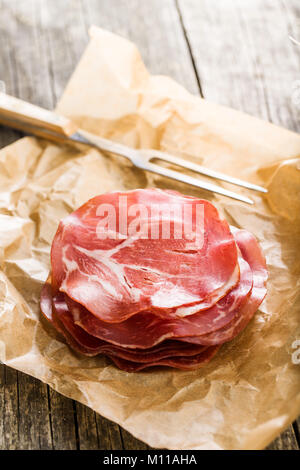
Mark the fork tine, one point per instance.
(141, 159)
(175, 175)
(150, 154)
(135, 156)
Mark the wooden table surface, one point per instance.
(234, 52)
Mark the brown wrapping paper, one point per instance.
(251, 390)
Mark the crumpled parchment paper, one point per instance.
(251, 390)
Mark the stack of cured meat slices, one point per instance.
(152, 278)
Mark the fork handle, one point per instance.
(19, 114)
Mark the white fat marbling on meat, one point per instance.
(76, 314)
(104, 257)
(190, 310)
(164, 297)
(70, 265)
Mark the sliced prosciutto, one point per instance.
(182, 363)
(133, 271)
(152, 278)
(252, 253)
(147, 329)
(55, 309)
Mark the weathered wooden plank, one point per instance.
(155, 27)
(9, 408)
(87, 428)
(243, 56)
(33, 414)
(245, 60)
(63, 421)
(296, 426)
(286, 441)
(65, 35)
(221, 55)
(96, 432)
(131, 443)
(109, 434)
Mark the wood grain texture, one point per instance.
(63, 422)
(34, 428)
(236, 52)
(286, 441)
(9, 408)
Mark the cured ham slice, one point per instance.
(55, 309)
(166, 288)
(182, 363)
(46, 303)
(146, 329)
(252, 253)
(117, 277)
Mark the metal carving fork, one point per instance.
(31, 119)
